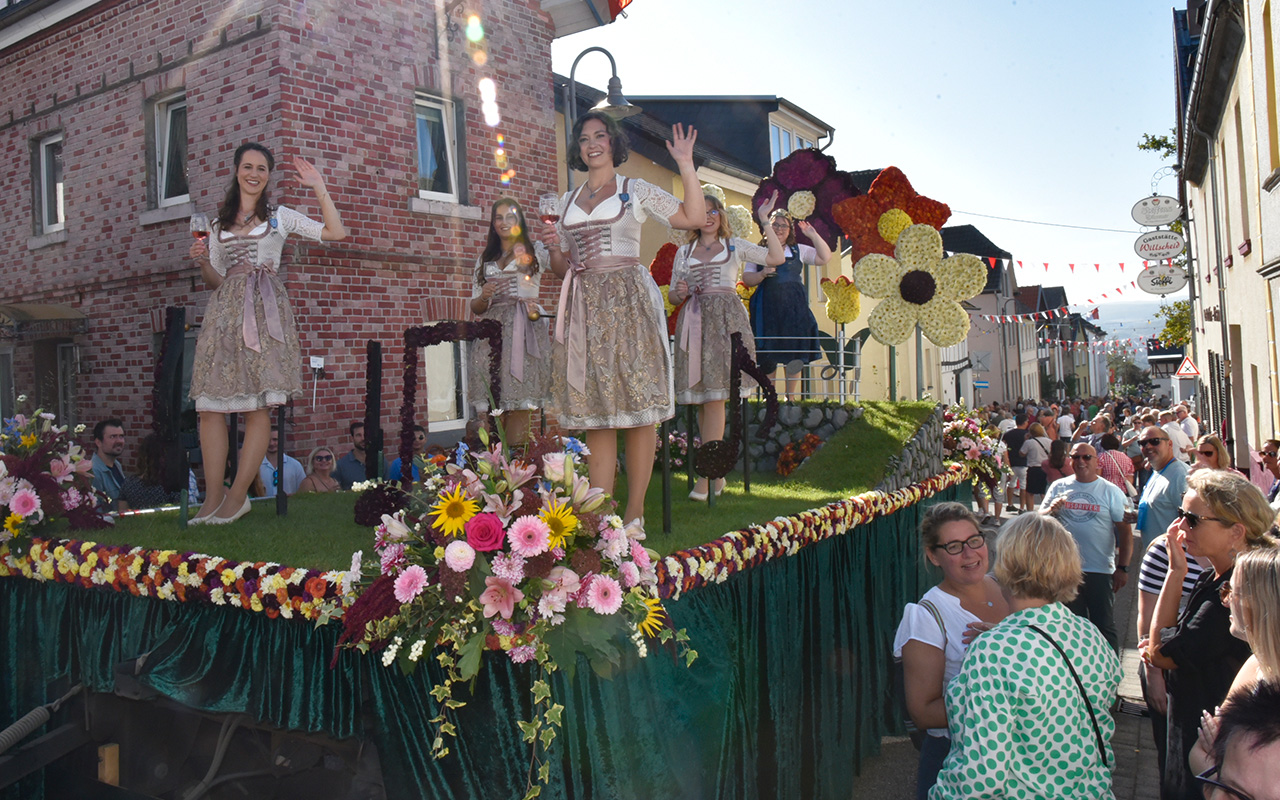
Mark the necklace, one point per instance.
(245, 219)
(591, 193)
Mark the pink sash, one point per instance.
(258, 283)
(525, 335)
(691, 330)
(573, 301)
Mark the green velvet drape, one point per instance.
(789, 693)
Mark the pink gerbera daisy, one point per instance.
(25, 503)
(410, 583)
(529, 536)
(604, 595)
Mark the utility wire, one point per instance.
(1049, 224)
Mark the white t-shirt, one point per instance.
(920, 625)
(1179, 439)
(1066, 425)
(1006, 425)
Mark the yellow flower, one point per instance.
(919, 286)
(452, 511)
(29, 440)
(651, 625)
(12, 523)
(560, 519)
(228, 577)
(844, 302)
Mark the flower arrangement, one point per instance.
(714, 191)
(660, 269)
(966, 443)
(873, 222)
(677, 448)
(919, 286)
(740, 221)
(813, 176)
(794, 453)
(511, 553)
(844, 302)
(744, 292)
(45, 477)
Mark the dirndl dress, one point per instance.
(785, 328)
(611, 367)
(525, 376)
(713, 313)
(247, 353)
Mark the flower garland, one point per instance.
(794, 453)
(260, 586)
(734, 552)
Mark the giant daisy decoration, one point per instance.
(920, 287)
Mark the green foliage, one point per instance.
(1164, 146)
(1177, 323)
(1125, 372)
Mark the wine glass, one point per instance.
(549, 208)
(200, 225)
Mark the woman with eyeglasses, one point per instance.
(1211, 453)
(706, 272)
(507, 280)
(1028, 711)
(1222, 516)
(934, 633)
(784, 326)
(1253, 597)
(320, 473)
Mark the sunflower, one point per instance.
(560, 519)
(13, 523)
(452, 511)
(654, 616)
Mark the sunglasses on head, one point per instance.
(1194, 520)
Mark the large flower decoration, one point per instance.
(844, 302)
(920, 286)
(874, 221)
(809, 186)
(660, 271)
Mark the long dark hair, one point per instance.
(1058, 454)
(231, 203)
(493, 245)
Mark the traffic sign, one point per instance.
(1187, 369)
(981, 384)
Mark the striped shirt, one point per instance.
(1155, 566)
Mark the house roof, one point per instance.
(968, 239)
(1052, 297)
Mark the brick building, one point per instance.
(118, 119)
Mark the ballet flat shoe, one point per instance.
(244, 509)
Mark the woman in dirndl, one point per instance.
(611, 369)
(507, 280)
(706, 271)
(248, 358)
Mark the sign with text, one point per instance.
(1156, 210)
(1159, 245)
(1161, 279)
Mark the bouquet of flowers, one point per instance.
(44, 478)
(677, 447)
(965, 441)
(516, 554)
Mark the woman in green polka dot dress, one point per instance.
(1021, 725)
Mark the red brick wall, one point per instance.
(336, 87)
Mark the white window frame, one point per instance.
(164, 109)
(42, 155)
(451, 146)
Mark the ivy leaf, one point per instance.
(690, 657)
(533, 792)
(541, 691)
(440, 693)
(469, 657)
(553, 714)
(548, 736)
(665, 635)
(447, 729)
(544, 772)
(528, 730)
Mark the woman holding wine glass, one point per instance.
(610, 366)
(507, 280)
(248, 358)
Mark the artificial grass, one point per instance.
(319, 531)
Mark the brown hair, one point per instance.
(617, 140)
(1211, 439)
(940, 514)
(790, 241)
(723, 231)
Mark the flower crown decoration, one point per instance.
(809, 186)
(873, 222)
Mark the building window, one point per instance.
(438, 149)
(171, 150)
(48, 184)
(783, 142)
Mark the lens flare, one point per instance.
(480, 57)
(475, 31)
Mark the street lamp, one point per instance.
(613, 104)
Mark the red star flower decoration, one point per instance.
(873, 221)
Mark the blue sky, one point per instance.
(1021, 108)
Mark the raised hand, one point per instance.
(681, 145)
(806, 229)
(1177, 540)
(308, 175)
(766, 208)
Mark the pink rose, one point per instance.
(484, 532)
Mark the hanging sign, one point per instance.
(1161, 279)
(1157, 210)
(1187, 369)
(1159, 245)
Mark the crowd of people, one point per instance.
(1011, 663)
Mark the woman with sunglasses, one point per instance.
(934, 633)
(705, 272)
(784, 326)
(1222, 516)
(1211, 453)
(1028, 712)
(320, 473)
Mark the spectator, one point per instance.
(1222, 515)
(1092, 511)
(1183, 446)
(351, 467)
(1115, 466)
(1211, 453)
(1162, 495)
(146, 489)
(1066, 422)
(1007, 423)
(273, 475)
(1013, 440)
(1036, 449)
(1056, 466)
(108, 476)
(1247, 748)
(419, 447)
(935, 633)
(1028, 710)
(1189, 425)
(1049, 421)
(1271, 461)
(320, 477)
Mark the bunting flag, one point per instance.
(996, 263)
(1110, 345)
(1031, 315)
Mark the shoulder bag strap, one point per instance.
(937, 617)
(1097, 732)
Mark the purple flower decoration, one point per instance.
(814, 172)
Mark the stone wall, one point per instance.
(795, 421)
(920, 459)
